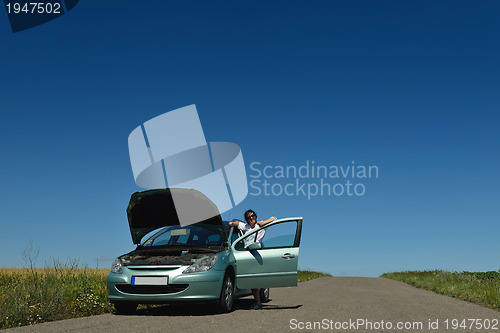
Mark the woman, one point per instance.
(251, 218)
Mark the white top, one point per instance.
(245, 227)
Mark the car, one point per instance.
(206, 261)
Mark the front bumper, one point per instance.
(202, 286)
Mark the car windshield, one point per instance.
(185, 235)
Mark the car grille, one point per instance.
(152, 268)
(154, 289)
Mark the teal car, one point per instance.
(202, 262)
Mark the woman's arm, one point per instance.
(233, 224)
(269, 220)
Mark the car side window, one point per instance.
(280, 235)
(277, 236)
(240, 245)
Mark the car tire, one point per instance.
(264, 295)
(125, 308)
(226, 299)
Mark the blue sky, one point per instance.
(411, 87)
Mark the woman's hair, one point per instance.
(248, 212)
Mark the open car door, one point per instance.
(272, 262)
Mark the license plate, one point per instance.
(150, 280)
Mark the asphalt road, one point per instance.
(339, 304)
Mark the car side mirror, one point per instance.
(254, 246)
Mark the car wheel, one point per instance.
(227, 294)
(125, 308)
(264, 295)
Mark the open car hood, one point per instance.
(153, 209)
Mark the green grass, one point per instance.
(476, 287)
(303, 276)
(32, 296)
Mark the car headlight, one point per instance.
(116, 267)
(202, 265)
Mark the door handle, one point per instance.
(288, 256)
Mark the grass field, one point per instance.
(476, 287)
(303, 276)
(31, 296)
